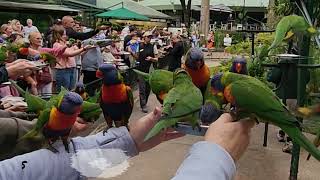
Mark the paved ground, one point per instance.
(258, 163)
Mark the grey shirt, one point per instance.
(92, 59)
(44, 164)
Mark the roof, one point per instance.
(36, 6)
(133, 6)
(122, 13)
(168, 4)
(221, 8)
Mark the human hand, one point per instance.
(88, 47)
(234, 137)
(79, 126)
(20, 67)
(140, 128)
(149, 58)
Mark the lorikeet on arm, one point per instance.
(116, 100)
(251, 96)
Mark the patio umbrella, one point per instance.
(122, 13)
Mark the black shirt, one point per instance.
(145, 51)
(126, 40)
(175, 55)
(3, 74)
(81, 36)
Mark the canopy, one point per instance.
(221, 8)
(123, 13)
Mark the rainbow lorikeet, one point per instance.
(116, 100)
(56, 122)
(182, 103)
(80, 89)
(252, 97)
(160, 81)
(239, 65)
(288, 26)
(197, 69)
(211, 109)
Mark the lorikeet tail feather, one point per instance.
(162, 124)
(316, 142)
(31, 134)
(20, 90)
(143, 74)
(299, 138)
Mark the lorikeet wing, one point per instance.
(49, 58)
(54, 100)
(160, 81)
(42, 120)
(211, 109)
(35, 103)
(290, 25)
(3, 54)
(251, 96)
(182, 103)
(90, 111)
(131, 101)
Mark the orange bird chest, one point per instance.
(114, 94)
(60, 121)
(199, 77)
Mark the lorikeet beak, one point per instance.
(99, 74)
(238, 67)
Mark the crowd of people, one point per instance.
(78, 53)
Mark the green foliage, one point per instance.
(218, 39)
(242, 48)
(314, 83)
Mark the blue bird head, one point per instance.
(79, 88)
(70, 103)
(216, 85)
(209, 113)
(194, 59)
(239, 65)
(109, 74)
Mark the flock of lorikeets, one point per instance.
(188, 94)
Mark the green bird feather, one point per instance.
(35, 103)
(211, 109)
(49, 59)
(182, 103)
(289, 25)
(90, 111)
(160, 81)
(253, 97)
(42, 120)
(3, 54)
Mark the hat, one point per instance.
(147, 33)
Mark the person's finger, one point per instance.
(225, 118)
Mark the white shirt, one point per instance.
(27, 30)
(227, 41)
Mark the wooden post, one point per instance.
(204, 18)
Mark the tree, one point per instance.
(205, 16)
(186, 12)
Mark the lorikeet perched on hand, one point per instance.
(211, 109)
(56, 122)
(116, 98)
(239, 65)
(289, 25)
(160, 81)
(251, 96)
(197, 69)
(182, 103)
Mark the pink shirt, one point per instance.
(65, 62)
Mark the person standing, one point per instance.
(29, 28)
(69, 23)
(146, 57)
(65, 70)
(175, 53)
(91, 61)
